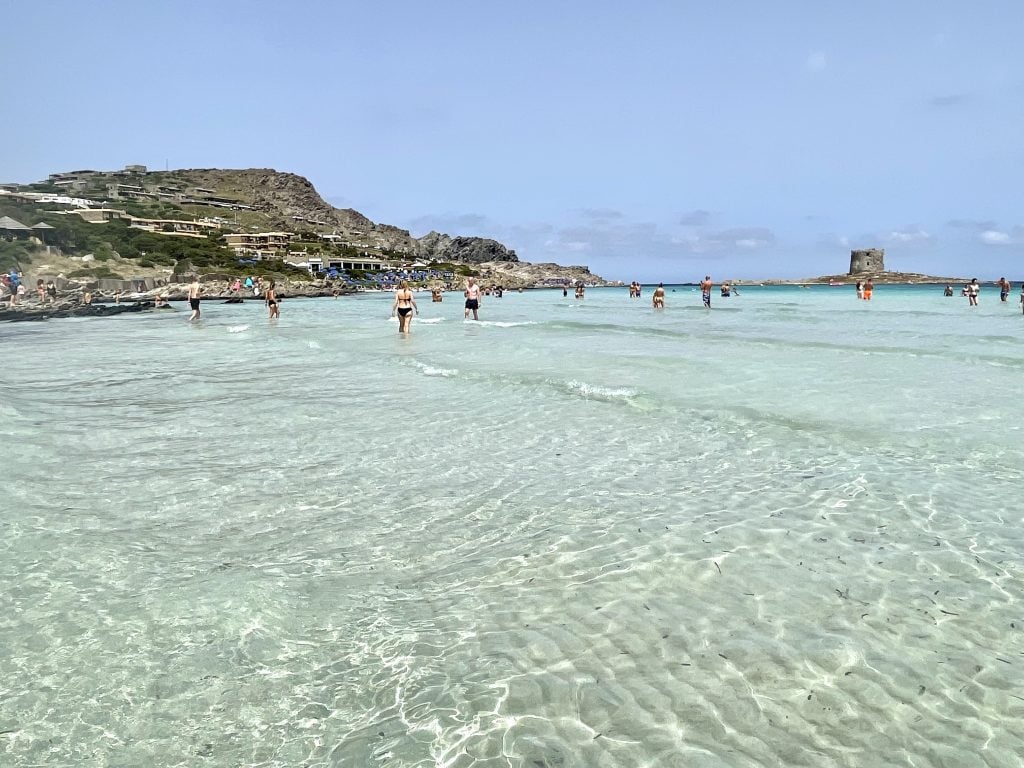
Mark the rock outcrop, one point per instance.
(435, 246)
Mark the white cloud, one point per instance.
(995, 237)
(816, 62)
(908, 236)
(575, 246)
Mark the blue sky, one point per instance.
(649, 140)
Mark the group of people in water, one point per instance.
(404, 306)
(706, 286)
(973, 289)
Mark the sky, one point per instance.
(647, 140)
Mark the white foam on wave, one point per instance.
(596, 392)
(313, 345)
(238, 328)
(499, 323)
(432, 320)
(430, 370)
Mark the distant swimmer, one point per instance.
(658, 297)
(472, 294)
(405, 305)
(1004, 289)
(869, 288)
(973, 289)
(860, 290)
(1022, 297)
(195, 291)
(948, 291)
(270, 296)
(705, 290)
(565, 291)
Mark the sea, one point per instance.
(787, 531)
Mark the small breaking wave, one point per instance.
(431, 320)
(500, 323)
(430, 370)
(596, 392)
(238, 328)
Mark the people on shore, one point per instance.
(405, 306)
(272, 303)
(973, 289)
(195, 292)
(658, 298)
(705, 290)
(51, 292)
(472, 294)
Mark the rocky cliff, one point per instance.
(291, 202)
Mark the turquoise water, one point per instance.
(787, 532)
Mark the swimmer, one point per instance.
(658, 298)
(405, 305)
(973, 289)
(705, 290)
(472, 294)
(195, 291)
(270, 296)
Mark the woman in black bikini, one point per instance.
(405, 305)
(275, 311)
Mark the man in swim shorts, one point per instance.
(658, 299)
(472, 294)
(1004, 289)
(194, 292)
(705, 290)
(869, 289)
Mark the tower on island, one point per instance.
(870, 260)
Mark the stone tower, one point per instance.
(870, 260)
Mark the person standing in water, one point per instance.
(1022, 297)
(405, 305)
(860, 290)
(1004, 289)
(472, 294)
(973, 289)
(948, 291)
(869, 288)
(658, 298)
(705, 290)
(272, 304)
(195, 291)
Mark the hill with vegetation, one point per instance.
(224, 201)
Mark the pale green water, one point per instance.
(784, 533)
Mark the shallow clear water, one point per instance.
(787, 532)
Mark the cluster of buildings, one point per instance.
(78, 181)
(127, 185)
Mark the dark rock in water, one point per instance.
(75, 310)
(235, 300)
